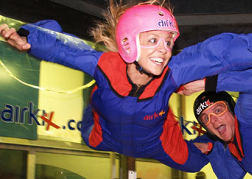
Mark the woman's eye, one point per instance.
(168, 44)
(152, 40)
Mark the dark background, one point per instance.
(197, 19)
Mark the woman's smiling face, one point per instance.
(156, 50)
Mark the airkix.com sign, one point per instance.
(29, 115)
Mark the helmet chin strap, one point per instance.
(141, 70)
(138, 67)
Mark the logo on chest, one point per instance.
(154, 116)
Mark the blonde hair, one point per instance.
(105, 32)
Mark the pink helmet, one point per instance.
(141, 18)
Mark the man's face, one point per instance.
(219, 120)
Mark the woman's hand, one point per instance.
(192, 87)
(11, 36)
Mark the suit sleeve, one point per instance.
(218, 54)
(239, 81)
(223, 163)
(50, 43)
